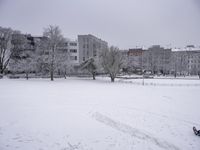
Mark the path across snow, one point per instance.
(133, 132)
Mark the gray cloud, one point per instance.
(125, 23)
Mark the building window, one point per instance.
(73, 57)
(46, 53)
(65, 50)
(73, 44)
(73, 51)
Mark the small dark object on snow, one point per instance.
(196, 132)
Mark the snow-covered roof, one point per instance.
(186, 49)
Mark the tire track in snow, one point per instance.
(133, 132)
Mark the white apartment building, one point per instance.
(71, 47)
(188, 60)
(90, 46)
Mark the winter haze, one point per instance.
(126, 23)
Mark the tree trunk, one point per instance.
(52, 64)
(65, 74)
(51, 75)
(1, 69)
(175, 75)
(51, 71)
(93, 75)
(27, 76)
(112, 77)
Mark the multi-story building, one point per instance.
(90, 46)
(186, 61)
(179, 62)
(193, 62)
(135, 58)
(157, 59)
(27, 46)
(71, 48)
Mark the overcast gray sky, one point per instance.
(123, 23)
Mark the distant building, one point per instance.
(90, 46)
(193, 62)
(71, 47)
(22, 44)
(157, 59)
(178, 63)
(186, 61)
(135, 57)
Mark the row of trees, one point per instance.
(111, 61)
(17, 54)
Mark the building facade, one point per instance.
(157, 59)
(193, 62)
(186, 61)
(71, 48)
(135, 58)
(90, 47)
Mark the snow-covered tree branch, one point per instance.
(5, 48)
(112, 61)
(55, 39)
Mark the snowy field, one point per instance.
(82, 114)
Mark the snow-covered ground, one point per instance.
(82, 114)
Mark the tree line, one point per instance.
(44, 56)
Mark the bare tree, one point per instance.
(5, 48)
(62, 62)
(25, 65)
(43, 56)
(55, 39)
(90, 66)
(112, 61)
(23, 59)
